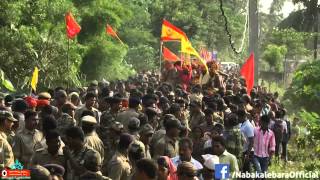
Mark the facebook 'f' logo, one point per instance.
(222, 171)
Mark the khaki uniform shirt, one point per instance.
(196, 119)
(119, 167)
(124, 117)
(93, 141)
(107, 118)
(166, 147)
(64, 122)
(80, 159)
(6, 153)
(42, 157)
(24, 145)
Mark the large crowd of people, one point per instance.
(175, 125)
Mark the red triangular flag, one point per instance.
(168, 55)
(73, 27)
(110, 31)
(247, 71)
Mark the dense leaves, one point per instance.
(274, 55)
(305, 88)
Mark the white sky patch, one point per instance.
(287, 8)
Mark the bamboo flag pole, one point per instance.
(161, 46)
(68, 70)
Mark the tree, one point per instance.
(32, 33)
(291, 39)
(304, 89)
(274, 56)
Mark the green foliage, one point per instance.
(32, 33)
(6, 83)
(274, 56)
(304, 89)
(291, 39)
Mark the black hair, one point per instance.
(148, 167)
(265, 118)
(29, 114)
(278, 114)
(49, 123)
(90, 95)
(75, 133)
(212, 105)
(162, 162)
(219, 128)
(208, 112)
(143, 119)
(135, 152)
(52, 134)
(219, 139)
(187, 141)
(174, 108)
(58, 88)
(233, 120)
(87, 127)
(47, 109)
(134, 102)
(19, 105)
(241, 113)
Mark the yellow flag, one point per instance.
(186, 47)
(34, 80)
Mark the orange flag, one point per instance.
(112, 33)
(247, 71)
(72, 26)
(168, 55)
(170, 32)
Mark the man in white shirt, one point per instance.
(185, 151)
(247, 130)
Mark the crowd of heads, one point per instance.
(148, 126)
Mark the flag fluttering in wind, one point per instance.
(247, 71)
(34, 80)
(170, 32)
(186, 47)
(168, 55)
(73, 28)
(111, 32)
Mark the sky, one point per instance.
(286, 9)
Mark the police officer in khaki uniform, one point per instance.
(93, 165)
(76, 152)
(6, 153)
(146, 133)
(111, 115)
(111, 142)
(90, 100)
(132, 111)
(51, 153)
(91, 138)
(67, 118)
(25, 141)
(119, 167)
(168, 145)
(133, 128)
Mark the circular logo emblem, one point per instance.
(4, 173)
